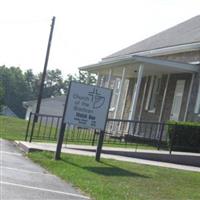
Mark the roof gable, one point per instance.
(184, 33)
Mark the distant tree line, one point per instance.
(17, 86)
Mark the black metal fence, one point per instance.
(46, 128)
(129, 131)
(118, 132)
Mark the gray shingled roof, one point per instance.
(60, 98)
(184, 33)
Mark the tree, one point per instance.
(15, 89)
(54, 83)
(53, 86)
(1, 96)
(85, 77)
(30, 79)
(69, 78)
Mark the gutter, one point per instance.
(142, 59)
(160, 51)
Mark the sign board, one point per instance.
(87, 106)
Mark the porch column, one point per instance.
(88, 78)
(136, 93)
(98, 79)
(163, 100)
(189, 96)
(109, 78)
(120, 91)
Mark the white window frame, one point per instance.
(197, 106)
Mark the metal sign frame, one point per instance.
(87, 105)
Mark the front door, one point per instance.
(178, 96)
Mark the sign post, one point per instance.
(86, 106)
(99, 146)
(61, 133)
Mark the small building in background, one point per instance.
(49, 106)
(6, 111)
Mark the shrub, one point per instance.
(184, 136)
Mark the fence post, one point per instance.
(33, 127)
(27, 129)
(172, 139)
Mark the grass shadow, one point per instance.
(113, 171)
(107, 170)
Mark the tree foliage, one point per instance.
(15, 89)
(1, 96)
(54, 83)
(85, 77)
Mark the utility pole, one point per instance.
(44, 71)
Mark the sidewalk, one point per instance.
(178, 160)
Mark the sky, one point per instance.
(85, 30)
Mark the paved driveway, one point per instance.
(21, 179)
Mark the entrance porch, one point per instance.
(147, 89)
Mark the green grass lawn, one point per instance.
(12, 128)
(110, 179)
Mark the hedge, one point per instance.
(184, 136)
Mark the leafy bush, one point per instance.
(184, 136)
